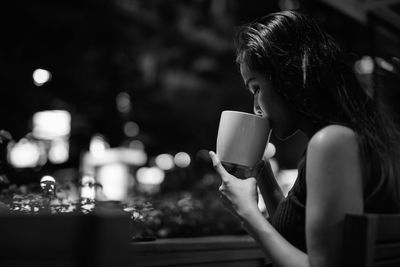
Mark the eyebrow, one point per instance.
(248, 81)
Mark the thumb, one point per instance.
(218, 166)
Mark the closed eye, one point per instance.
(255, 90)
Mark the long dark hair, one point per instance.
(307, 68)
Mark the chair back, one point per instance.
(372, 240)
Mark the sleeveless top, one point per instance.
(289, 217)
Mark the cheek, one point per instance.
(270, 105)
(265, 104)
(282, 120)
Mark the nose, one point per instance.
(256, 107)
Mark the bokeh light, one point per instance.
(384, 64)
(98, 145)
(24, 154)
(114, 181)
(289, 4)
(136, 144)
(182, 159)
(270, 151)
(59, 151)
(131, 129)
(87, 180)
(165, 161)
(41, 76)
(48, 184)
(123, 102)
(137, 157)
(150, 175)
(88, 191)
(365, 65)
(51, 124)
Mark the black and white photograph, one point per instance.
(200, 133)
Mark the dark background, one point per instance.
(175, 59)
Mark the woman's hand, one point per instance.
(239, 196)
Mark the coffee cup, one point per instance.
(242, 139)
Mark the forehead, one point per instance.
(247, 73)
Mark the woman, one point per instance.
(299, 80)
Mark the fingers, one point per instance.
(228, 205)
(257, 170)
(218, 166)
(252, 180)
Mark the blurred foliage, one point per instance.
(187, 213)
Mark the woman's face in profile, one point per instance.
(268, 103)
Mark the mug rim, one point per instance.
(244, 113)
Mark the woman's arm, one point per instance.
(269, 188)
(277, 249)
(334, 188)
(240, 197)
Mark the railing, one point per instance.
(200, 251)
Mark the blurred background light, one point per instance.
(286, 179)
(48, 184)
(51, 124)
(41, 76)
(114, 181)
(289, 4)
(136, 157)
(150, 175)
(128, 156)
(182, 159)
(98, 145)
(384, 64)
(165, 161)
(88, 189)
(24, 154)
(365, 65)
(123, 102)
(270, 151)
(47, 178)
(87, 180)
(59, 151)
(261, 203)
(136, 144)
(131, 129)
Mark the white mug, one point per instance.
(242, 138)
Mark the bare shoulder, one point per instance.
(333, 139)
(334, 167)
(333, 149)
(334, 189)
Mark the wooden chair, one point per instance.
(371, 240)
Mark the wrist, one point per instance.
(249, 213)
(255, 223)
